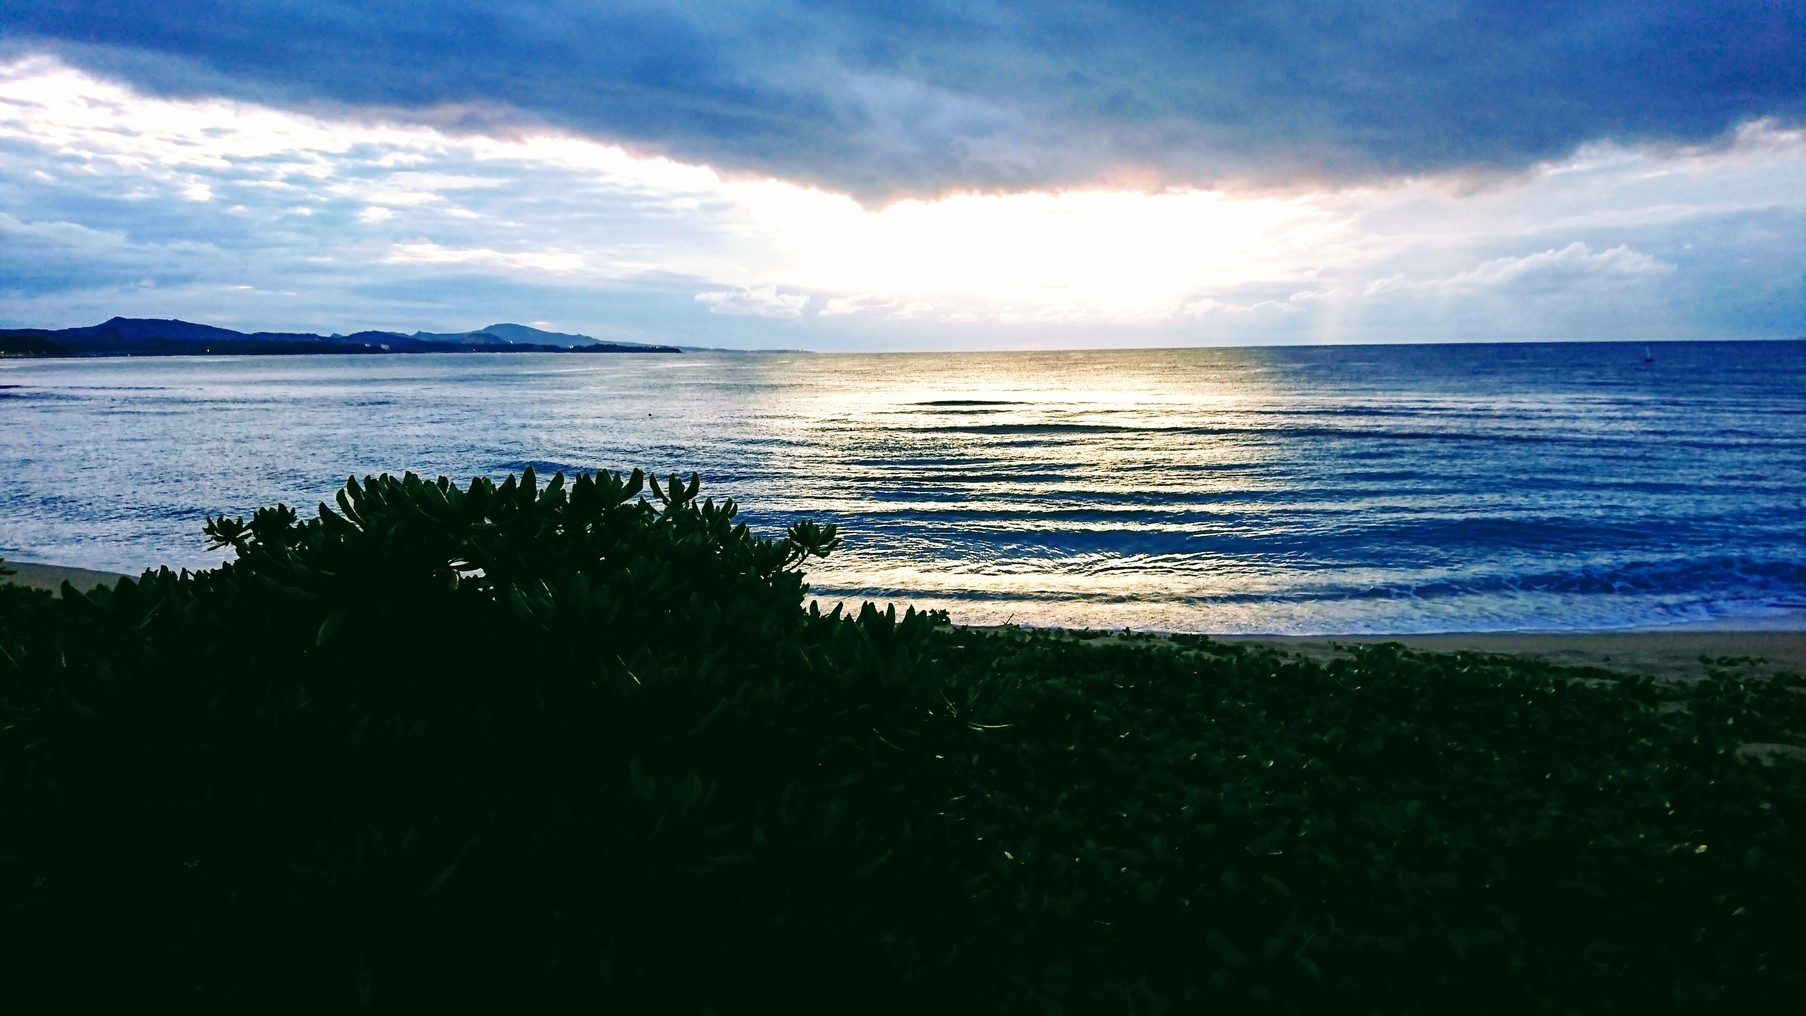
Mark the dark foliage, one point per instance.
(1394, 832)
(437, 746)
(572, 746)
(29, 343)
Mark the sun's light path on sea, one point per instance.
(1317, 489)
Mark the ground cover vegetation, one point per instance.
(581, 745)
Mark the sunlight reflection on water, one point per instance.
(1323, 489)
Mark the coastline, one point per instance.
(51, 577)
(1678, 653)
(1683, 653)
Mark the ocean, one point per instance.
(1326, 490)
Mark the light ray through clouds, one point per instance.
(225, 211)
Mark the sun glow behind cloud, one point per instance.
(1098, 254)
(190, 206)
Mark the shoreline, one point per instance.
(1683, 653)
(50, 577)
(1686, 652)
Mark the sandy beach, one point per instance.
(1674, 654)
(52, 577)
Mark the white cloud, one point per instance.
(104, 187)
(841, 305)
(1390, 284)
(759, 301)
(426, 252)
(65, 234)
(1549, 270)
(1208, 306)
(1555, 267)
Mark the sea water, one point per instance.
(1460, 487)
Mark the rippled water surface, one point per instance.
(1325, 489)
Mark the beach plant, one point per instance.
(437, 734)
(1232, 828)
(585, 744)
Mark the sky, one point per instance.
(911, 175)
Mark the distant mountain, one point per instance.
(449, 338)
(525, 334)
(122, 336)
(155, 329)
(27, 343)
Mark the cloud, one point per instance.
(1546, 271)
(427, 252)
(759, 301)
(1208, 306)
(1559, 268)
(96, 181)
(886, 100)
(842, 305)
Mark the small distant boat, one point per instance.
(1648, 357)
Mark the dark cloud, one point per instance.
(885, 99)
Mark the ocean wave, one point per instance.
(1379, 489)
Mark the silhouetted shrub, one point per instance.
(574, 746)
(441, 744)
